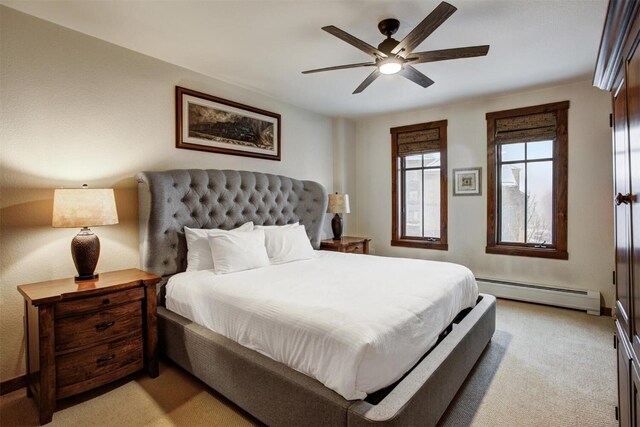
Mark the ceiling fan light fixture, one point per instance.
(390, 66)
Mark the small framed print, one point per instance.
(467, 182)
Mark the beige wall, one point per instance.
(344, 173)
(590, 188)
(78, 110)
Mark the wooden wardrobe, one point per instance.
(618, 71)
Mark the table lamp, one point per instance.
(338, 204)
(84, 207)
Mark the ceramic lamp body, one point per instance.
(85, 250)
(336, 227)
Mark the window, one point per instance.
(527, 181)
(419, 185)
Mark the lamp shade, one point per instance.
(338, 203)
(84, 207)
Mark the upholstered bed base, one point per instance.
(280, 396)
(270, 391)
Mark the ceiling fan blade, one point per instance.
(415, 76)
(341, 67)
(423, 29)
(370, 78)
(353, 41)
(446, 54)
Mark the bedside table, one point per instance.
(353, 245)
(81, 335)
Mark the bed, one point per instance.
(269, 390)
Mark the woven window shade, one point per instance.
(532, 127)
(418, 142)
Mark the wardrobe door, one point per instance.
(622, 209)
(635, 398)
(635, 395)
(624, 380)
(633, 105)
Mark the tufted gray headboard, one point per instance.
(171, 200)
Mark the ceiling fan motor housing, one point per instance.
(387, 46)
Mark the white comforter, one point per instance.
(356, 323)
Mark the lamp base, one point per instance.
(89, 277)
(336, 226)
(85, 250)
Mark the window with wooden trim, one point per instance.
(527, 181)
(419, 185)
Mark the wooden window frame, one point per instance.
(397, 239)
(558, 249)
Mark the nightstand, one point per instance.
(81, 335)
(353, 245)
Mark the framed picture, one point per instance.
(208, 123)
(467, 182)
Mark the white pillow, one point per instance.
(238, 251)
(286, 244)
(198, 250)
(273, 227)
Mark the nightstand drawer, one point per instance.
(69, 308)
(87, 329)
(355, 249)
(352, 245)
(85, 369)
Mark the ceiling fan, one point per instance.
(393, 57)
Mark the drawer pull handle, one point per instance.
(106, 358)
(105, 325)
(106, 301)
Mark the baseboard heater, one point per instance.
(561, 297)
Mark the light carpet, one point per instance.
(545, 366)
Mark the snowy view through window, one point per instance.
(422, 195)
(526, 192)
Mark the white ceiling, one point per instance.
(264, 45)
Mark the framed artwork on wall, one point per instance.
(208, 123)
(467, 182)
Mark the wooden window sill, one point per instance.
(420, 244)
(527, 251)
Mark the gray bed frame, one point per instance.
(270, 391)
